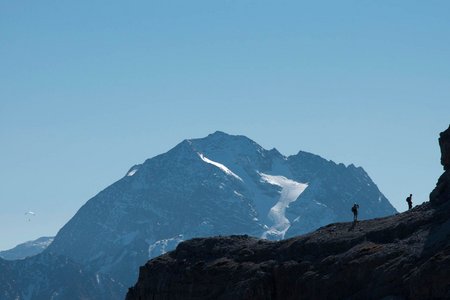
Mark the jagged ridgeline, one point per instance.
(218, 185)
(406, 256)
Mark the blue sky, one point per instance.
(89, 88)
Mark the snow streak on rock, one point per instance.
(132, 171)
(219, 165)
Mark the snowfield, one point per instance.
(290, 191)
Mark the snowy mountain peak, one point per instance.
(217, 185)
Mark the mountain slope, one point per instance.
(27, 249)
(48, 276)
(405, 256)
(218, 185)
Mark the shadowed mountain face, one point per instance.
(406, 256)
(218, 185)
(48, 276)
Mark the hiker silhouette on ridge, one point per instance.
(355, 208)
(409, 200)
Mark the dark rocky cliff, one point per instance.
(406, 256)
(441, 193)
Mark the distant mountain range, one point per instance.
(218, 185)
(27, 249)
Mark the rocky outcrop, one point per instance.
(406, 256)
(442, 191)
(444, 143)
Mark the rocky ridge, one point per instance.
(405, 256)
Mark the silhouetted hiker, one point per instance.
(409, 200)
(355, 208)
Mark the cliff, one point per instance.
(406, 256)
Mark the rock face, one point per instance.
(444, 143)
(406, 256)
(442, 190)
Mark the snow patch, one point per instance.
(321, 204)
(162, 246)
(132, 172)
(220, 166)
(46, 243)
(290, 191)
(238, 194)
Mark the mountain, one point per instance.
(218, 185)
(27, 249)
(48, 276)
(405, 256)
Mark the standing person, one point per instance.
(409, 200)
(355, 208)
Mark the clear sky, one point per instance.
(89, 88)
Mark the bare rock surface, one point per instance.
(444, 143)
(405, 256)
(442, 190)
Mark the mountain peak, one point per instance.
(223, 136)
(215, 185)
(220, 141)
(220, 133)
